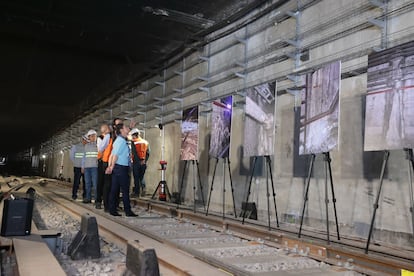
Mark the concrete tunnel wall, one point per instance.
(331, 30)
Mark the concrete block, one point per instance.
(86, 242)
(141, 262)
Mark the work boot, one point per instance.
(143, 192)
(98, 205)
(131, 214)
(86, 201)
(116, 214)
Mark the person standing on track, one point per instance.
(77, 153)
(119, 168)
(104, 180)
(140, 153)
(90, 166)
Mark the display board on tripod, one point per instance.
(389, 111)
(319, 121)
(189, 134)
(259, 125)
(221, 117)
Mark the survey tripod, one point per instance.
(328, 174)
(410, 162)
(226, 162)
(195, 170)
(269, 176)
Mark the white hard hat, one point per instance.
(134, 131)
(91, 132)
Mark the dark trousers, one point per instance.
(101, 181)
(120, 181)
(77, 175)
(105, 189)
(138, 171)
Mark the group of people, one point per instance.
(104, 163)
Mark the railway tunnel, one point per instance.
(279, 132)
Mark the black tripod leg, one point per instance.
(328, 159)
(211, 187)
(269, 164)
(182, 183)
(201, 185)
(267, 196)
(155, 192)
(305, 199)
(249, 188)
(194, 187)
(224, 189)
(371, 228)
(410, 158)
(326, 199)
(232, 190)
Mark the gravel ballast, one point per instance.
(48, 216)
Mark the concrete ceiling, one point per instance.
(58, 58)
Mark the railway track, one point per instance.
(219, 248)
(226, 245)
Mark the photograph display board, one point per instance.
(259, 125)
(221, 128)
(320, 110)
(389, 110)
(189, 134)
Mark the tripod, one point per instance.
(226, 161)
(410, 159)
(269, 174)
(328, 172)
(195, 167)
(164, 192)
(162, 185)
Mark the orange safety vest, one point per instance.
(107, 152)
(141, 146)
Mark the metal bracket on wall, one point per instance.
(204, 89)
(203, 58)
(378, 3)
(381, 23)
(293, 78)
(240, 75)
(240, 64)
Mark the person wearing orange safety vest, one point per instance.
(140, 152)
(104, 180)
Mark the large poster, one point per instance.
(259, 125)
(389, 115)
(320, 110)
(221, 127)
(189, 134)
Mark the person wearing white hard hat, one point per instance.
(140, 150)
(90, 166)
(77, 153)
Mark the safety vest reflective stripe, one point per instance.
(79, 155)
(91, 154)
